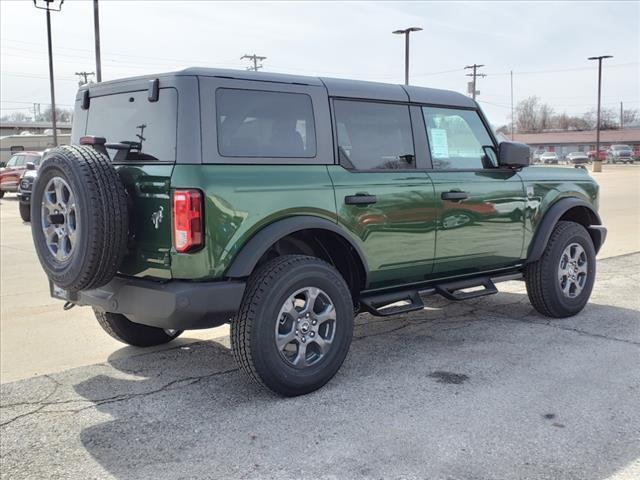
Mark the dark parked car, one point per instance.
(620, 153)
(577, 158)
(24, 191)
(285, 205)
(16, 166)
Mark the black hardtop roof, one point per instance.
(336, 87)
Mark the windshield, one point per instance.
(147, 128)
(621, 147)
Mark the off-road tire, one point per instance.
(253, 328)
(543, 286)
(25, 211)
(135, 334)
(102, 217)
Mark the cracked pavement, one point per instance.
(480, 389)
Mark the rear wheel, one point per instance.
(559, 284)
(25, 211)
(294, 328)
(135, 334)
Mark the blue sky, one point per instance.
(546, 44)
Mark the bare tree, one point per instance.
(630, 117)
(16, 117)
(62, 115)
(609, 119)
(527, 115)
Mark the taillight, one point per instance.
(187, 220)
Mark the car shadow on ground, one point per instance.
(480, 389)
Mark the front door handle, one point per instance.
(360, 199)
(454, 196)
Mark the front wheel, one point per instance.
(25, 211)
(559, 284)
(295, 324)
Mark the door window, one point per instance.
(374, 135)
(12, 161)
(265, 124)
(21, 161)
(457, 139)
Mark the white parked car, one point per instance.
(549, 157)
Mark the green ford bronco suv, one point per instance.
(285, 205)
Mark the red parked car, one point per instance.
(602, 157)
(16, 166)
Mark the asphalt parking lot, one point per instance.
(480, 389)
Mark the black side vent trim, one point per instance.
(86, 100)
(154, 90)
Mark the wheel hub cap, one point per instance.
(572, 270)
(306, 326)
(59, 218)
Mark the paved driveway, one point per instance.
(477, 390)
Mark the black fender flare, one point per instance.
(551, 218)
(251, 252)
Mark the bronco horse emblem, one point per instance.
(156, 217)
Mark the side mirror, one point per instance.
(31, 166)
(514, 154)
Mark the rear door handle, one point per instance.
(454, 196)
(360, 199)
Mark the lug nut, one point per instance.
(307, 315)
(314, 322)
(304, 339)
(313, 334)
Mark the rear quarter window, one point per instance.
(252, 123)
(131, 117)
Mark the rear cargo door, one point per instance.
(150, 129)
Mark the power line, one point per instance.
(475, 75)
(255, 59)
(84, 76)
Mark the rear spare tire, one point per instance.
(79, 220)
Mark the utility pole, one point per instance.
(84, 76)
(255, 59)
(597, 164)
(96, 34)
(513, 119)
(49, 8)
(621, 117)
(475, 75)
(406, 33)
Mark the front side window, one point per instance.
(266, 124)
(374, 136)
(12, 161)
(20, 161)
(457, 139)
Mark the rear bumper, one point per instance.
(177, 305)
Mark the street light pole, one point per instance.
(597, 164)
(96, 34)
(48, 8)
(406, 33)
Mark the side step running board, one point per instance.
(453, 290)
(382, 305)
